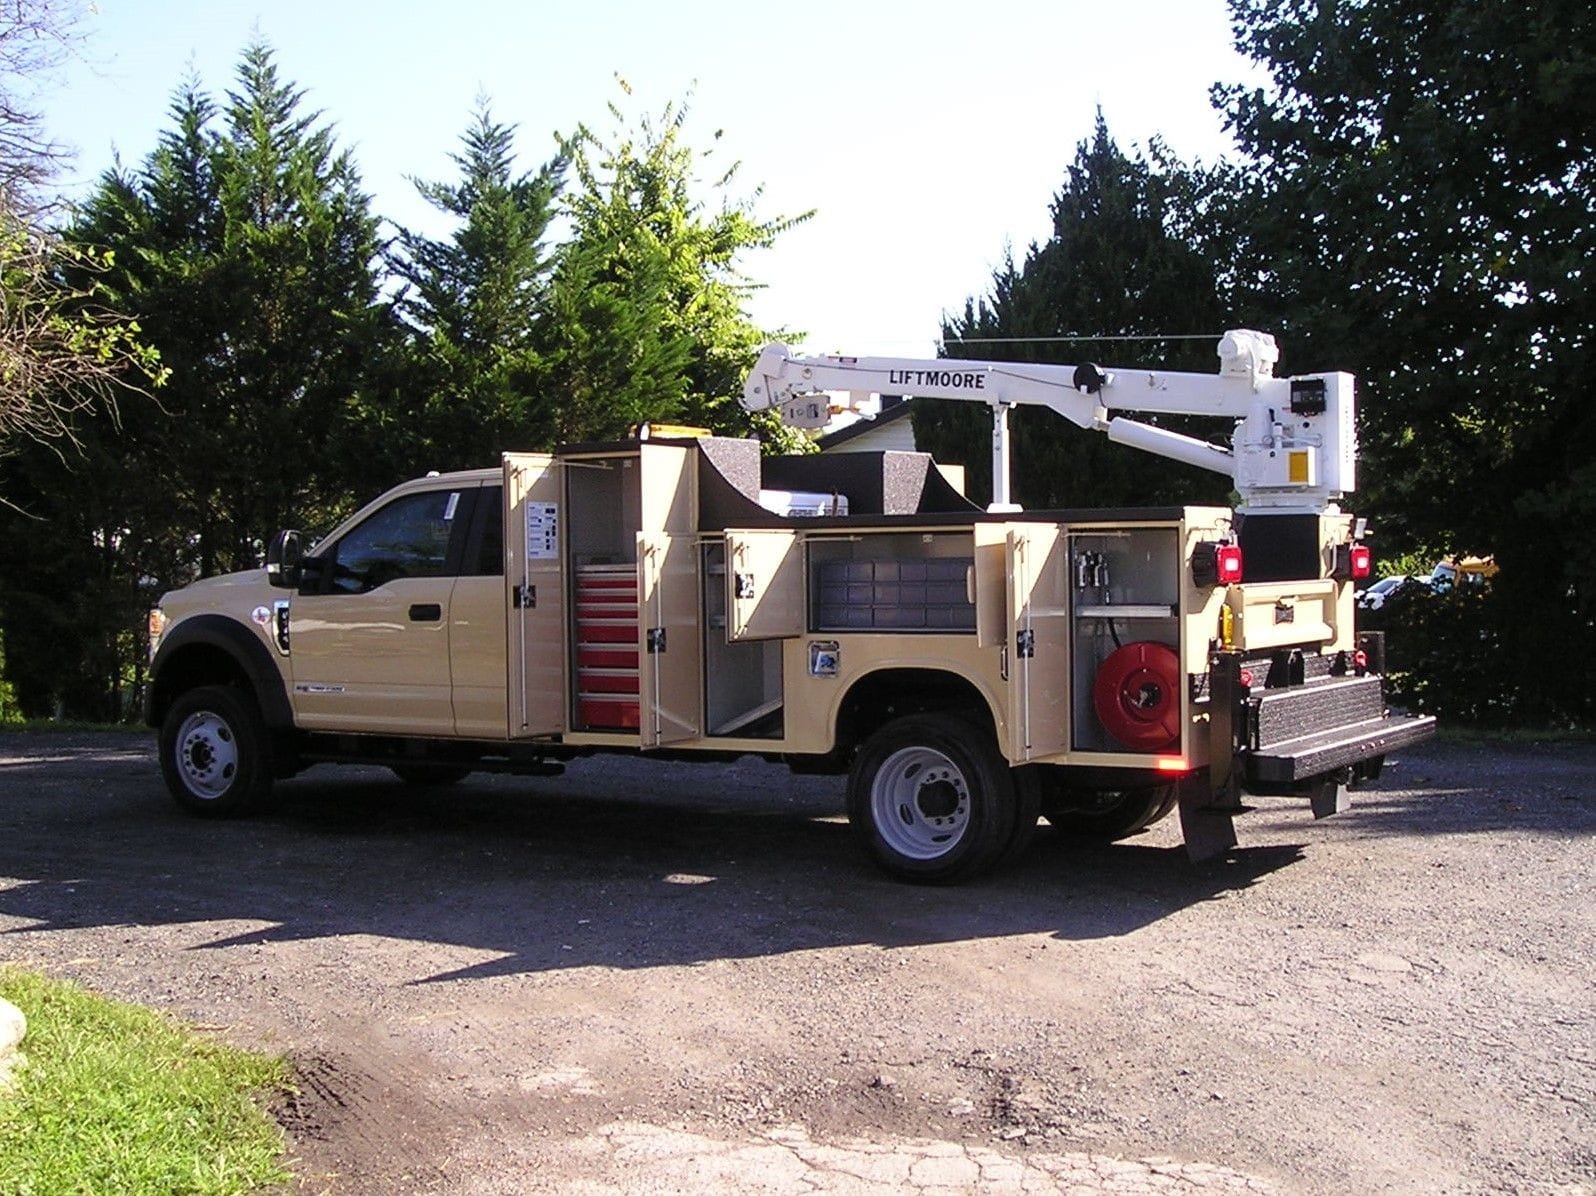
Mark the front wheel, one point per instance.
(931, 800)
(214, 752)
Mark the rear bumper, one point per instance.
(1294, 760)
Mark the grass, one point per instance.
(44, 726)
(1514, 736)
(116, 1098)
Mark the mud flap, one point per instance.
(1330, 794)
(1205, 822)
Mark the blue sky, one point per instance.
(926, 136)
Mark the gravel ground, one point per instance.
(685, 978)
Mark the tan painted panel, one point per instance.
(991, 584)
(477, 657)
(361, 663)
(669, 488)
(670, 658)
(765, 588)
(1039, 641)
(532, 595)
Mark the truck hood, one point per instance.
(222, 582)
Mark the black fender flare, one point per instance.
(242, 646)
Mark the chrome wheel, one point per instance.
(920, 803)
(207, 755)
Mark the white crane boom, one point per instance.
(1293, 445)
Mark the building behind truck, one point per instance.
(967, 670)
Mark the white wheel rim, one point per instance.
(207, 755)
(920, 803)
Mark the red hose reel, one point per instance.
(1137, 696)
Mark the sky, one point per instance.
(926, 137)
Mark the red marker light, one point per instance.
(1360, 662)
(1228, 562)
(1171, 764)
(1361, 560)
(1246, 678)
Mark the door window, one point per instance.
(407, 538)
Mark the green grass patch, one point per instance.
(117, 1098)
(46, 726)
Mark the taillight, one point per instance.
(1352, 562)
(1214, 563)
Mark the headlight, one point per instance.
(157, 627)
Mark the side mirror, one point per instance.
(283, 557)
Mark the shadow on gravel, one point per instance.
(621, 863)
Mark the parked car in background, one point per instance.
(1376, 595)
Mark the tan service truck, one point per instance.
(968, 670)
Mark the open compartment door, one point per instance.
(1036, 556)
(534, 591)
(670, 657)
(764, 585)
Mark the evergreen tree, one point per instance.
(1420, 210)
(245, 248)
(1120, 263)
(475, 306)
(648, 318)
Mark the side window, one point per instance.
(487, 558)
(407, 538)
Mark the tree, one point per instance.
(476, 303)
(1119, 263)
(249, 254)
(244, 246)
(1420, 209)
(647, 303)
(63, 351)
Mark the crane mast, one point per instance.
(1292, 444)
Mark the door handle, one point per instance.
(426, 612)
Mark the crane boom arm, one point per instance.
(1292, 444)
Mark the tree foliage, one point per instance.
(1419, 208)
(648, 295)
(476, 305)
(1120, 263)
(245, 247)
(64, 352)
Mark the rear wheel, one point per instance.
(931, 799)
(215, 755)
(1109, 814)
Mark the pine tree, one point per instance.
(1119, 262)
(476, 303)
(244, 246)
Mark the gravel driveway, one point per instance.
(685, 978)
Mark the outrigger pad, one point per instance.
(1209, 830)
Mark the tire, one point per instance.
(931, 800)
(430, 774)
(1109, 814)
(215, 755)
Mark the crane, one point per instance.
(1292, 445)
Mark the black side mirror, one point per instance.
(283, 559)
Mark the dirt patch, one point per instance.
(678, 977)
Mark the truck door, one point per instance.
(1029, 602)
(370, 625)
(534, 584)
(669, 657)
(764, 585)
